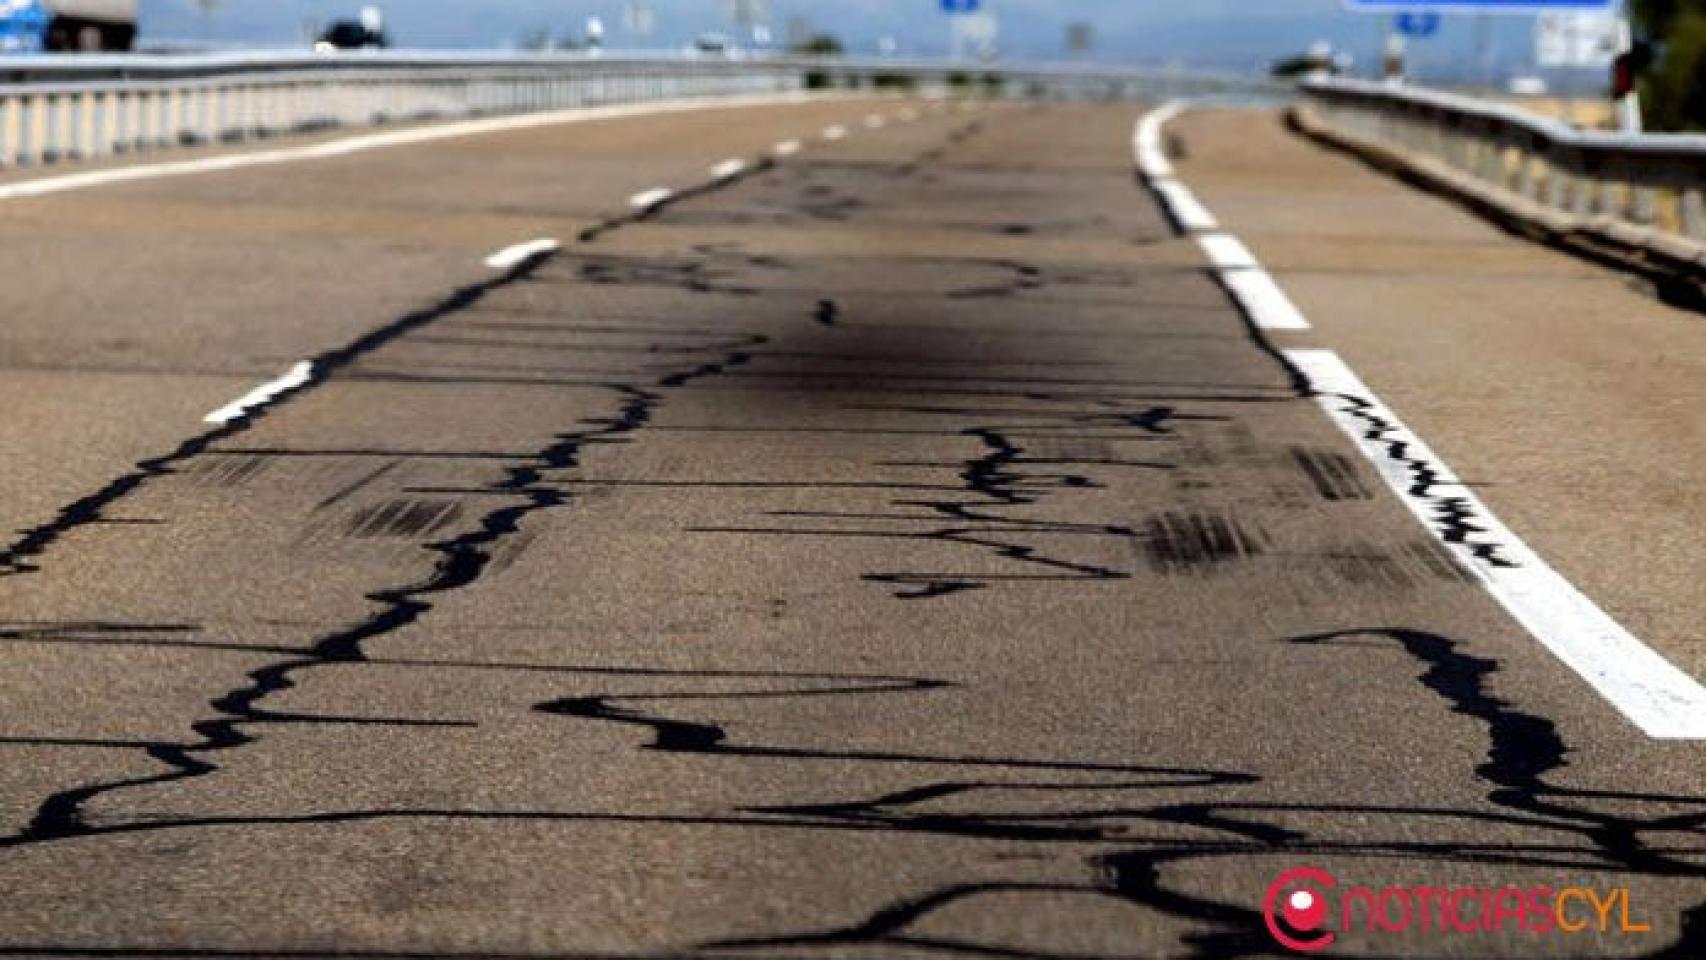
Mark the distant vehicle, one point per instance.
(88, 26)
(1320, 60)
(367, 33)
(1528, 86)
(713, 45)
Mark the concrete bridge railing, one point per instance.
(61, 108)
(1648, 190)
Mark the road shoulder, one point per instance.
(1567, 396)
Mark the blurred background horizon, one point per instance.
(1236, 35)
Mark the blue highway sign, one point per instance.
(1418, 23)
(961, 6)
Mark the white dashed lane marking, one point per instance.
(263, 394)
(512, 256)
(650, 198)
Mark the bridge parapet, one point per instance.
(1646, 191)
(55, 109)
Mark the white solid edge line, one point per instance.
(1257, 294)
(787, 148)
(262, 394)
(728, 168)
(650, 198)
(362, 143)
(1157, 170)
(1184, 205)
(1663, 701)
(835, 132)
(1147, 144)
(1227, 252)
(511, 256)
(1261, 298)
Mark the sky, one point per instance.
(1229, 34)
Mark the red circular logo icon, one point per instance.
(1302, 908)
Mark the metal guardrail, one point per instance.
(58, 108)
(1651, 181)
(99, 106)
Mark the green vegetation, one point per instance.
(1673, 88)
(819, 45)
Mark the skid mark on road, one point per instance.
(462, 560)
(974, 453)
(1648, 690)
(22, 554)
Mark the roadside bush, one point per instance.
(1673, 90)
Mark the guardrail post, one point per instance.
(171, 110)
(53, 141)
(1492, 158)
(203, 121)
(1693, 213)
(1527, 183)
(29, 132)
(75, 117)
(1584, 193)
(1557, 183)
(96, 142)
(1607, 200)
(136, 120)
(1643, 206)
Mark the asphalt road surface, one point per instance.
(901, 547)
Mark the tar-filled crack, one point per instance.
(462, 560)
(1052, 833)
(827, 313)
(1455, 518)
(998, 483)
(651, 211)
(1152, 873)
(1003, 479)
(19, 556)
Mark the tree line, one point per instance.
(1673, 83)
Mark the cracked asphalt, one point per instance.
(901, 549)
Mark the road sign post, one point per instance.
(971, 32)
(1563, 34)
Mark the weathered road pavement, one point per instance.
(903, 551)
